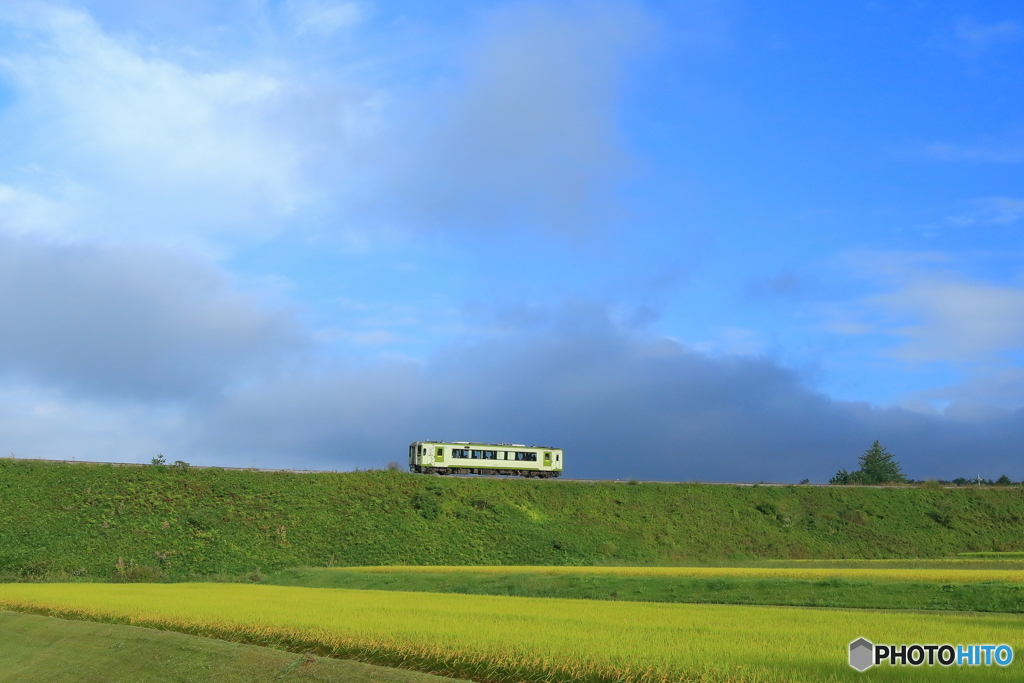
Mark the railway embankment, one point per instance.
(102, 522)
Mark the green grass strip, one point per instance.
(721, 589)
(932, 575)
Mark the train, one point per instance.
(466, 457)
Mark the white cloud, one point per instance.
(130, 141)
(528, 137)
(974, 35)
(324, 18)
(992, 153)
(990, 211)
(992, 393)
(24, 211)
(152, 148)
(971, 39)
(944, 318)
(732, 341)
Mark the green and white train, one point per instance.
(464, 457)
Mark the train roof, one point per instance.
(482, 443)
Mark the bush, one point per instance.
(137, 573)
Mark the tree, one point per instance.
(877, 466)
(842, 477)
(1004, 481)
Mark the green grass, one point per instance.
(725, 589)
(38, 649)
(960, 562)
(500, 638)
(77, 521)
(933, 575)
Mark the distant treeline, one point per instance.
(879, 466)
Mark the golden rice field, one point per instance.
(943, 575)
(500, 638)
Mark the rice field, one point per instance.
(924, 575)
(500, 638)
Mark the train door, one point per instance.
(439, 454)
(547, 458)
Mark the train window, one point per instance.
(504, 455)
(460, 453)
(490, 455)
(529, 457)
(558, 456)
(478, 455)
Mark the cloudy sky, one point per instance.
(692, 240)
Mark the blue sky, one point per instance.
(682, 240)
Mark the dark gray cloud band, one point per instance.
(622, 407)
(130, 322)
(140, 328)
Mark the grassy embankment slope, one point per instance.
(83, 519)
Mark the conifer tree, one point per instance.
(877, 466)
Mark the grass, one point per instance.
(810, 573)
(38, 649)
(80, 521)
(998, 562)
(724, 587)
(499, 638)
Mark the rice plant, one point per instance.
(504, 639)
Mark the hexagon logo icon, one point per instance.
(861, 654)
